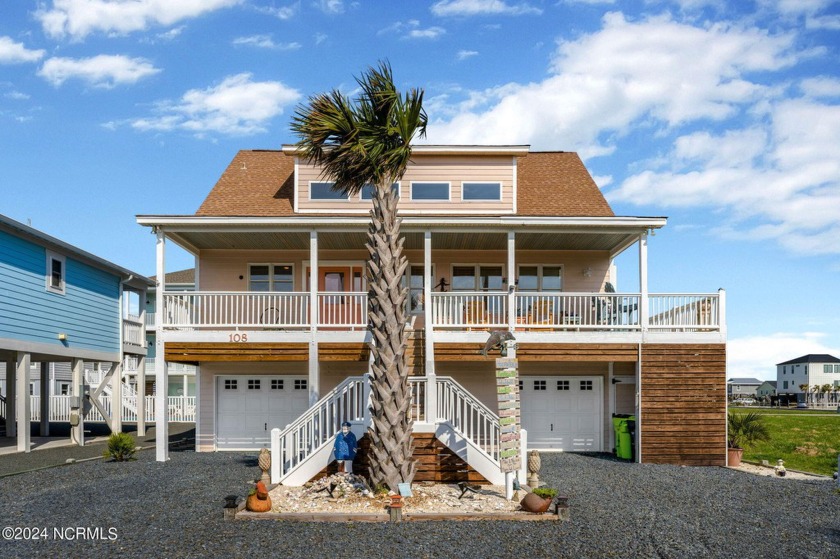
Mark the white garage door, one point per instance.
(563, 413)
(249, 407)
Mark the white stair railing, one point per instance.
(468, 416)
(306, 435)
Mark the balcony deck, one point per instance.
(535, 315)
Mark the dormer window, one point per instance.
(430, 191)
(324, 191)
(481, 191)
(367, 191)
(56, 270)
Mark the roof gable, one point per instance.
(260, 183)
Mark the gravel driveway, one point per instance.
(618, 510)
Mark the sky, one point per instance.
(722, 116)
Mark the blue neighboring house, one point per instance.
(59, 303)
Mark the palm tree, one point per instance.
(367, 141)
(745, 429)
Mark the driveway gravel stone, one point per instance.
(174, 509)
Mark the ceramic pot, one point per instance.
(534, 503)
(735, 456)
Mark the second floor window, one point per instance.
(270, 277)
(430, 191)
(367, 191)
(324, 191)
(477, 278)
(481, 191)
(55, 273)
(540, 278)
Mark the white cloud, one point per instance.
(15, 53)
(411, 30)
(757, 356)
(481, 7)
(16, 95)
(821, 87)
(619, 76)
(331, 6)
(103, 71)
(265, 42)
(237, 106)
(464, 54)
(284, 13)
(79, 18)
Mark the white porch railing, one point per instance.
(235, 310)
(558, 310)
(459, 309)
(684, 311)
(317, 426)
(181, 408)
(348, 309)
(134, 332)
(468, 416)
(150, 319)
(172, 367)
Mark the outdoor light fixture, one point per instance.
(62, 336)
(587, 272)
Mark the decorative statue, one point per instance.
(258, 501)
(780, 468)
(264, 463)
(534, 464)
(345, 448)
(496, 341)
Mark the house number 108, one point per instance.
(239, 337)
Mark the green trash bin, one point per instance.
(624, 426)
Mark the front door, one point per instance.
(339, 302)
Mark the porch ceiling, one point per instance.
(286, 240)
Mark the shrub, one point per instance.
(746, 429)
(545, 492)
(121, 447)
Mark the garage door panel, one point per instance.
(566, 416)
(249, 407)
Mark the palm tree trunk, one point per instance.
(391, 459)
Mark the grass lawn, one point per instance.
(807, 440)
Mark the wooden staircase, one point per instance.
(435, 462)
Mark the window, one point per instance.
(540, 278)
(300, 384)
(827, 368)
(785, 385)
(270, 277)
(277, 384)
(56, 271)
(539, 385)
(253, 384)
(562, 385)
(414, 277)
(324, 191)
(477, 278)
(521, 385)
(64, 388)
(481, 191)
(367, 191)
(230, 384)
(430, 191)
(586, 385)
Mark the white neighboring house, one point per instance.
(742, 387)
(811, 370)
(767, 389)
(181, 375)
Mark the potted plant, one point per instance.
(744, 429)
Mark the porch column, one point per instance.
(511, 276)
(11, 398)
(643, 281)
(161, 380)
(24, 402)
(314, 384)
(141, 396)
(116, 397)
(45, 400)
(77, 432)
(428, 335)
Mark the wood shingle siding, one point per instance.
(684, 404)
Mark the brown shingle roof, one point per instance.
(256, 183)
(181, 276)
(261, 183)
(558, 184)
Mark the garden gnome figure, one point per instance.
(345, 448)
(780, 468)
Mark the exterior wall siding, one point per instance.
(88, 312)
(453, 170)
(683, 401)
